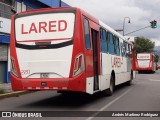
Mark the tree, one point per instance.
(156, 58)
(144, 45)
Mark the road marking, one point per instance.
(107, 105)
(154, 80)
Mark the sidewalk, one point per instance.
(6, 87)
(8, 92)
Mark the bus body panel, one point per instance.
(145, 62)
(64, 84)
(67, 68)
(121, 65)
(33, 63)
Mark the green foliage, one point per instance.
(144, 45)
(2, 91)
(156, 58)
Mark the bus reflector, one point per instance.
(78, 65)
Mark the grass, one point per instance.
(2, 91)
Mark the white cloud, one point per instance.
(112, 12)
(157, 42)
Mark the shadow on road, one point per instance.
(146, 72)
(73, 100)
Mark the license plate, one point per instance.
(44, 75)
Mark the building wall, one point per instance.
(23, 5)
(5, 23)
(54, 3)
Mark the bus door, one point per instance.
(95, 58)
(91, 52)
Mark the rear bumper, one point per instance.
(146, 68)
(77, 83)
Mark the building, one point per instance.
(6, 8)
(5, 16)
(23, 5)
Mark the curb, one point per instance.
(13, 94)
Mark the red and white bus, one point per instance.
(66, 49)
(145, 62)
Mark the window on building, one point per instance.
(87, 34)
(5, 9)
(103, 38)
(7, 2)
(20, 7)
(29, 8)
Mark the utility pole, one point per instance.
(129, 21)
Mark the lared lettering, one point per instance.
(60, 23)
(52, 26)
(116, 62)
(143, 56)
(42, 26)
(22, 30)
(33, 28)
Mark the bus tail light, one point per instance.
(13, 67)
(78, 65)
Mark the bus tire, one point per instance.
(153, 71)
(110, 90)
(131, 79)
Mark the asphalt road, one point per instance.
(142, 95)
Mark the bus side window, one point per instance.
(116, 45)
(130, 47)
(87, 34)
(129, 51)
(114, 42)
(111, 44)
(103, 40)
(124, 49)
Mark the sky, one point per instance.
(113, 12)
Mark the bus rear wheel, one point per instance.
(110, 90)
